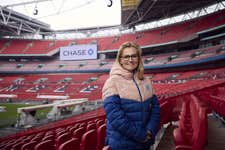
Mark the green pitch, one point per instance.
(9, 117)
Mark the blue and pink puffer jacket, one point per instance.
(131, 109)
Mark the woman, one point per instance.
(132, 109)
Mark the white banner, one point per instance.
(78, 52)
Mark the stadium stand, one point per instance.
(184, 60)
(173, 33)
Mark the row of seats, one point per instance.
(149, 60)
(188, 120)
(91, 139)
(191, 132)
(169, 110)
(218, 104)
(77, 78)
(215, 98)
(165, 34)
(166, 85)
(80, 136)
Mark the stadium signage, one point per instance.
(78, 52)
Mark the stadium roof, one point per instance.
(150, 10)
(63, 14)
(133, 12)
(14, 23)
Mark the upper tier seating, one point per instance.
(174, 32)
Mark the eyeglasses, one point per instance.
(128, 57)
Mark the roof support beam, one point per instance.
(21, 23)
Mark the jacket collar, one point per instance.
(118, 70)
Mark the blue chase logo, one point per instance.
(90, 51)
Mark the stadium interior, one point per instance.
(184, 59)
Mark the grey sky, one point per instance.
(69, 14)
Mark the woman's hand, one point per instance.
(148, 136)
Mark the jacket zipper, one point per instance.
(137, 88)
(143, 119)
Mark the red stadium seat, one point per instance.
(17, 146)
(48, 145)
(192, 131)
(91, 126)
(78, 133)
(99, 123)
(29, 146)
(48, 137)
(8, 146)
(89, 140)
(164, 113)
(62, 138)
(70, 145)
(101, 132)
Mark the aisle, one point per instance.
(166, 143)
(216, 134)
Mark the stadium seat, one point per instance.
(70, 145)
(17, 146)
(101, 132)
(62, 138)
(83, 124)
(48, 145)
(99, 123)
(192, 130)
(29, 146)
(164, 113)
(48, 137)
(72, 129)
(90, 126)
(8, 146)
(89, 140)
(60, 132)
(78, 133)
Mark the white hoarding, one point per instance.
(78, 52)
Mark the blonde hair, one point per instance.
(140, 67)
